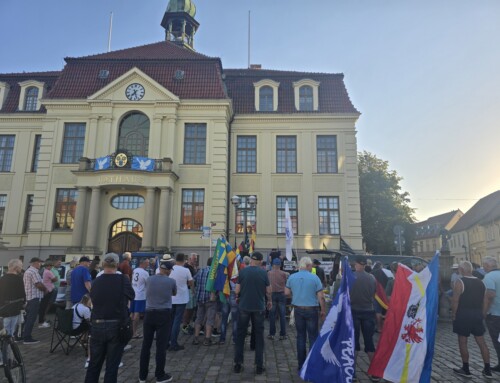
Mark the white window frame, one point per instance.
(266, 82)
(4, 91)
(306, 82)
(24, 87)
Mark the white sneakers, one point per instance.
(44, 325)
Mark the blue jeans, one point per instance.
(306, 324)
(177, 313)
(279, 302)
(225, 310)
(159, 322)
(257, 318)
(10, 323)
(104, 344)
(31, 313)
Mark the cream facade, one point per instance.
(67, 191)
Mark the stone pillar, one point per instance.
(76, 240)
(147, 239)
(163, 219)
(93, 223)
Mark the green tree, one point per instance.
(383, 205)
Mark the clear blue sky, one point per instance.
(423, 73)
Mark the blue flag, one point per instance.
(102, 163)
(331, 358)
(143, 163)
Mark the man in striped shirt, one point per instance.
(277, 279)
(35, 291)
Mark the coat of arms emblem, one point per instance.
(121, 160)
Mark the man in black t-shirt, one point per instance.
(110, 295)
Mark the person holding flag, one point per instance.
(331, 358)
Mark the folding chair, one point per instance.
(67, 338)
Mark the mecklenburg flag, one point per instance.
(406, 346)
(331, 358)
(381, 297)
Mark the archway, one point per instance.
(125, 235)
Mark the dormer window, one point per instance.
(31, 99)
(266, 96)
(266, 99)
(4, 91)
(306, 95)
(31, 93)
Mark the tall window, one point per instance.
(31, 98)
(251, 216)
(329, 215)
(36, 153)
(6, 152)
(246, 153)
(134, 134)
(193, 205)
(74, 139)
(326, 148)
(266, 99)
(280, 213)
(3, 203)
(286, 154)
(64, 216)
(195, 144)
(306, 98)
(27, 214)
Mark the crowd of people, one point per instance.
(171, 296)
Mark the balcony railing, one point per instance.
(110, 163)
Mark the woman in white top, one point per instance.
(81, 313)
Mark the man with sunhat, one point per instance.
(363, 312)
(158, 320)
(252, 287)
(80, 280)
(110, 294)
(35, 290)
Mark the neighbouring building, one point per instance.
(477, 233)
(138, 149)
(428, 234)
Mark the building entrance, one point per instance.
(125, 235)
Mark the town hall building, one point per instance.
(139, 149)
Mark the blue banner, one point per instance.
(143, 163)
(102, 163)
(331, 358)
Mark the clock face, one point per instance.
(135, 92)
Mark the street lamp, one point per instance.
(250, 203)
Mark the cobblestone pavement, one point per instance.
(214, 363)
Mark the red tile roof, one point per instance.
(162, 50)
(13, 79)
(333, 96)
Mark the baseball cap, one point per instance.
(84, 259)
(361, 259)
(276, 261)
(35, 259)
(256, 256)
(110, 258)
(316, 262)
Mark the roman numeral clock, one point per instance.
(135, 92)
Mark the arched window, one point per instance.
(127, 225)
(31, 98)
(134, 134)
(266, 99)
(306, 98)
(127, 201)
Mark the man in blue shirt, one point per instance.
(306, 290)
(491, 307)
(252, 288)
(80, 280)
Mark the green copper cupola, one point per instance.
(179, 23)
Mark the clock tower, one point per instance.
(179, 23)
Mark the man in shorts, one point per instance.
(207, 306)
(138, 306)
(467, 311)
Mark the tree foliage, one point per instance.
(383, 205)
